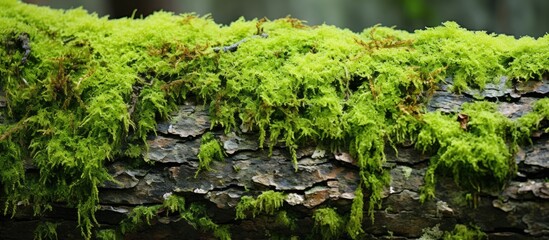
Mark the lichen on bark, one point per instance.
(83, 90)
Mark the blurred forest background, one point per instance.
(512, 17)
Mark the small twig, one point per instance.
(18, 126)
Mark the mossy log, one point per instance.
(174, 126)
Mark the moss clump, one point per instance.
(460, 231)
(194, 214)
(475, 152)
(532, 121)
(210, 150)
(463, 232)
(108, 234)
(477, 145)
(267, 202)
(285, 220)
(83, 90)
(328, 223)
(354, 225)
(46, 230)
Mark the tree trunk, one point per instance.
(63, 110)
(323, 178)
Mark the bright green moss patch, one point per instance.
(91, 90)
(462, 232)
(107, 234)
(194, 214)
(267, 202)
(354, 225)
(210, 150)
(328, 223)
(474, 149)
(531, 122)
(477, 146)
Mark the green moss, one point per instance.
(46, 230)
(210, 150)
(267, 202)
(245, 204)
(475, 152)
(138, 217)
(328, 223)
(194, 214)
(92, 90)
(463, 232)
(459, 232)
(108, 234)
(285, 220)
(530, 122)
(354, 225)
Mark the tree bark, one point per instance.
(323, 178)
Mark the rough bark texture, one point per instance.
(323, 178)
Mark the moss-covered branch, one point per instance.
(83, 90)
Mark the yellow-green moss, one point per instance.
(328, 223)
(531, 121)
(476, 152)
(210, 150)
(92, 89)
(462, 232)
(194, 214)
(267, 202)
(354, 225)
(46, 230)
(108, 234)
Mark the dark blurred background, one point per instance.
(512, 17)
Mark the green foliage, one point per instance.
(531, 121)
(527, 58)
(84, 93)
(174, 204)
(246, 204)
(210, 150)
(107, 234)
(92, 90)
(139, 216)
(194, 214)
(142, 215)
(13, 174)
(354, 225)
(283, 219)
(46, 230)
(477, 156)
(473, 58)
(267, 202)
(328, 223)
(463, 232)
